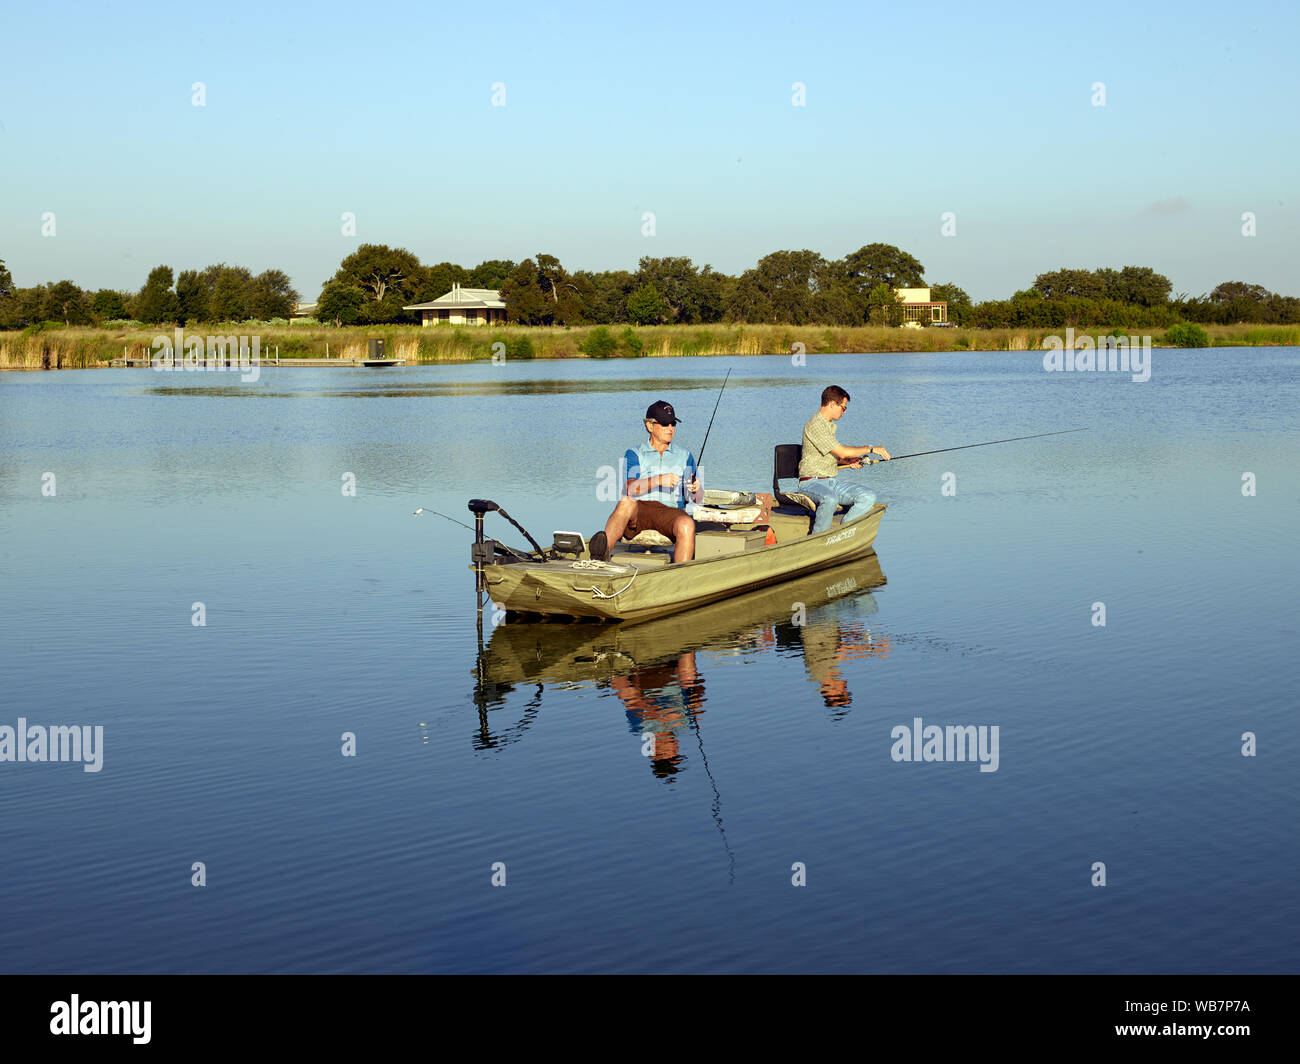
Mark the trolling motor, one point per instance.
(483, 551)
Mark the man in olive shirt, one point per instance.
(823, 455)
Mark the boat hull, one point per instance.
(633, 593)
(563, 653)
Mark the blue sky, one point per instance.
(684, 110)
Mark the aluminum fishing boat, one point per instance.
(744, 541)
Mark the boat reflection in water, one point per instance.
(654, 670)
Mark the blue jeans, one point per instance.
(829, 493)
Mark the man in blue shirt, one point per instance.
(658, 481)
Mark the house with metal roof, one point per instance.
(463, 306)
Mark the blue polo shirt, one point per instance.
(645, 461)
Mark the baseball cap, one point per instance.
(661, 412)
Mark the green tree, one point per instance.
(885, 306)
(745, 300)
(525, 303)
(788, 281)
(21, 307)
(1235, 301)
(230, 299)
(1232, 291)
(673, 279)
(646, 306)
(156, 303)
(8, 299)
(1132, 286)
(108, 305)
(693, 294)
(271, 295)
(1065, 283)
(632, 343)
(192, 294)
(438, 280)
(877, 264)
(491, 273)
(390, 277)
(599, 343)
(540, 292)
(1283, 310)
(340, 303)
(1186, 334)
(707, 296)
(64, 301)
(837, 302)
(610, 290)
(1141, 285)
(959, 305)
(569, 298)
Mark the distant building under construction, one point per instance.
(919, 309)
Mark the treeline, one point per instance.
(1134, 297)
(216, 293)
(374, 283)
(786, 287)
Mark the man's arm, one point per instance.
(635, 484)
(660, 481)
(846, 455)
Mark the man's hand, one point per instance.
(694, 486)
(668, 480)
(856, 463)
(882, 454)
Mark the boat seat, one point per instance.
(785, 464)
(650, 538)
(797, 500)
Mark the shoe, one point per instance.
(598, 547)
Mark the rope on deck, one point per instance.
(599, 566)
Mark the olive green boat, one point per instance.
(744, 541)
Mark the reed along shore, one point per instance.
(83, 347)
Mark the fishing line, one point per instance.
(965, 446)
(699, 458)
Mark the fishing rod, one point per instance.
(488, 507)
(966, 446)
(699, 458)
(425, 509)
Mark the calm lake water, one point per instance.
(770, 742)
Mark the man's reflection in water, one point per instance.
(822, 619)
(659, 700)
(836, 633)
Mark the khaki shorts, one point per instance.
(653, 515)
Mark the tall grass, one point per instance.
(79, 347)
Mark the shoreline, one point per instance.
(84, 347)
